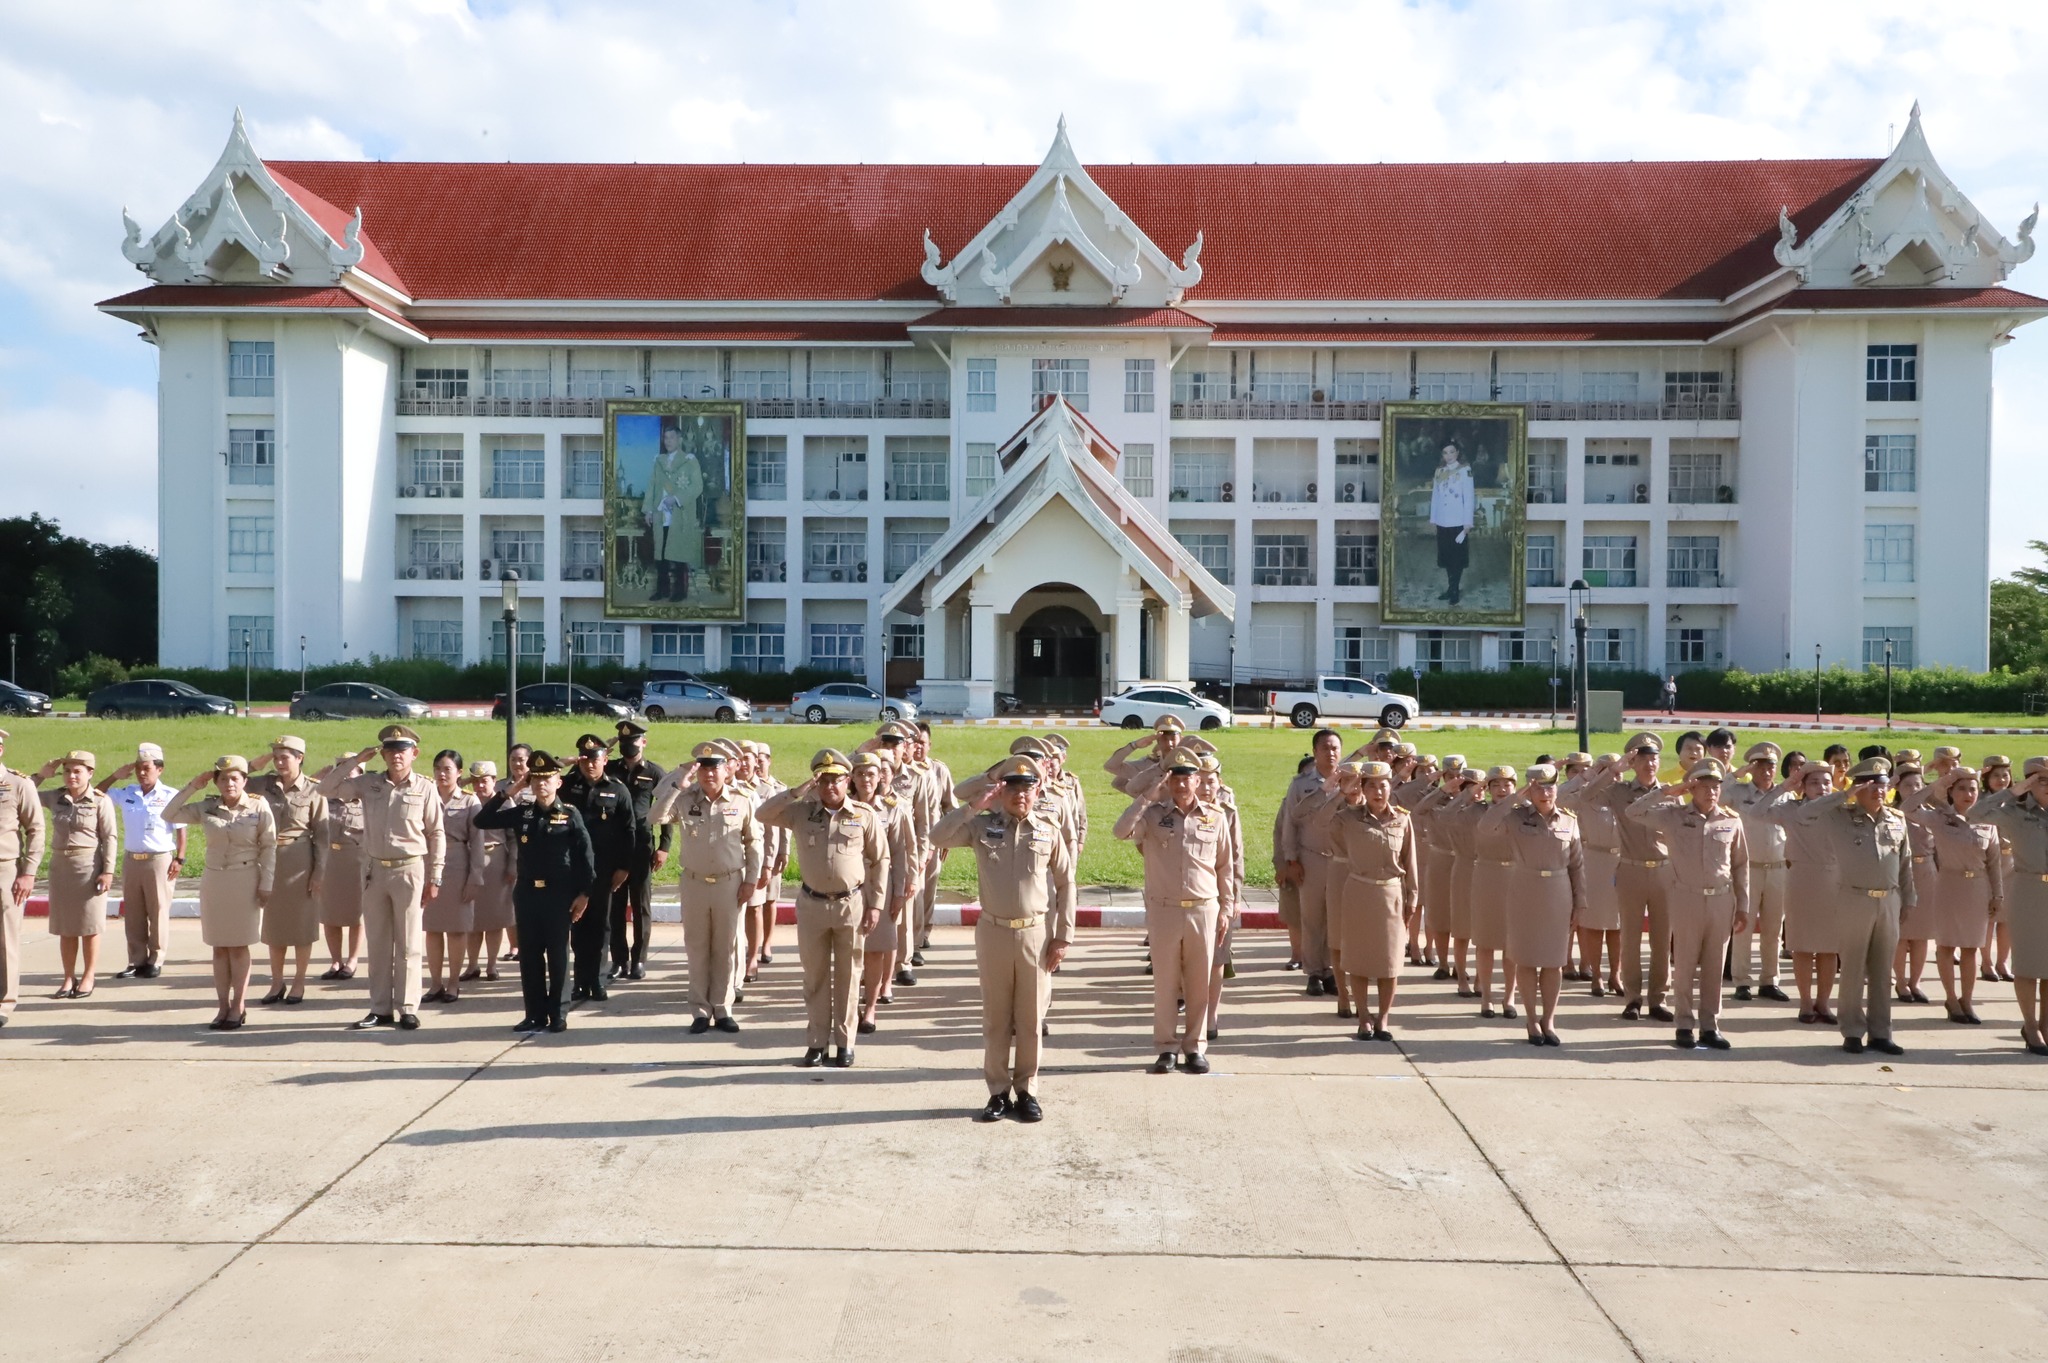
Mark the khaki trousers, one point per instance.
(1643, 889)
(145, 904)
(393, 938)
(1183, 943)
(1316, 894)
(1867, 930)
(1699, 938)
(923, 907)
(1290, 906)
(10, 948)
(1766, 927)
(1015, 989)
(828, 945)
(711, 936)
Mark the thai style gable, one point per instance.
(1908, 226)
(1061, 240)
(241, 226)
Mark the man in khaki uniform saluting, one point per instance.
(1873, 868)
(403, 850)
(1188, 872)
(1306, 852)
(718, 854)
(1027, 921)
(1768, 867)
(1641, 881)
(1708, 891)
(843, 865)
(21, 852)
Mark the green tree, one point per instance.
(2019, 616)
(78, 598)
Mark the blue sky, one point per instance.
(105, 105)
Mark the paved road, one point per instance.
(627, 1192)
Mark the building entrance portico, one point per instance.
(1059, 661)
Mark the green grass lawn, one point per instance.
(1258, 763)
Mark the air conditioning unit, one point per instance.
(437, 572)
(413, 572)
(488, 570)
(589, 572)
(435, 490)
(860, 573)
(755, 574)
(409, 490)
(839, 575)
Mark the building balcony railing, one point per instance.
(759, 409)
(1258, 409)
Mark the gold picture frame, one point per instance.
(1429, 573)
(675, 509)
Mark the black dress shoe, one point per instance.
(997, 1108)
(1853, 1045)
(1742, 993)
(1195, 1064)
(1886, 1045)
(700, 1026)
(1443, 972)
(558, 1024)
(1662, 1014)
(1632, 1012)
(1164, 1064)
(1773, 993)
(150, 971)
(1713, 1040)
(332, 972)
(1683, 1040)
(600, 994)
(636, 971)
(530, 1025)
(1550, 1039)
(842, 1059)
(615, 972)
(369, 1020)
(1346, 1011)
(903, 976)
(127, 974)
(1315, 986)
(917, 958)
(408, 1022)
(579, 994)
(1026, 1109)
(1213, 1034)
(864, 1027)
(727, 1024)
(813, 1058)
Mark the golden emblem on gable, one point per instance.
(1062, 275)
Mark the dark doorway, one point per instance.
(1059, 653)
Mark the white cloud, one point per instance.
(97, 114)
(86, 458)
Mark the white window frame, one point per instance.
(767, 549)
(1891, 373)
(518, 458)
(757, 647)
(766, 455)
(1361, 651)
(1888, 552)
(1693, 561)
(1140, 385)
(981, 385)
(252, 369)
(1138, 463)
(676, 648)
(1891, 461)
(1540, 548)
(906, 641)
(1211, 549)
(839, 646)
(841, 550)
(1902, 645)
(598, 641)
(902, 547)
(1610, 385)
(252, 456)
(588, 458)
(252, 544)
(437, 641)
(1612, 556)
(1065, 375)
(522, 550)
(1283, 559)
(920, 472)
(1356, 562)
(262, 654)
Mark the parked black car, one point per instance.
(172, 698)
(629, 689)
(563, 698)
(357, 700)
(19, 700)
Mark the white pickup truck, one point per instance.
(1343, 698)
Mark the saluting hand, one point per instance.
(259, 764)
(49, 769)
(986, 800)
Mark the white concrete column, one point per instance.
(935, 642)
(1130, 614)
(1489, 653)
(981, 640)
(1325, 641)
(1173, 651)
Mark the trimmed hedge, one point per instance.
(424, 680)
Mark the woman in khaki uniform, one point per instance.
(1546, 891)
(341, 882)
(1383, 882)
(1454, 810)
(2022, 823)
(1969, 880)
(449, 919)
(1490, 866)
(241, 864)
(1599, 922)
(1439, 864)
(291, 918)
(1916, 922)
(85, 846)
(1809, 886)
(493, 857)
(1210, 789)
(870, 786)
(1995, 960)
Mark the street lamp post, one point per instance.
(569, 651)
(508, 590)
(248, 671)
(1553, 681)
(1816, 683)
(10, 658)
(1887, 683)
(1580, 597)
(302, 662)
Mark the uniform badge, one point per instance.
(1167, 823)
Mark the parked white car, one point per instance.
(1343, 698)
(1143, 705)
(693, 700)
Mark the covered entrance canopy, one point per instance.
(1020, 594)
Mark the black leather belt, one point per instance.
(843, 894)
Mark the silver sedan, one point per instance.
(693, 700)
(848, 703)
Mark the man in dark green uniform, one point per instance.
(557, 870)
(607, 809)
(630, 903)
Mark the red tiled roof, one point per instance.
(1830, 300)
(1000, 319)
(825, 232)
(763, 333)
(162, 297)
(1477, 333)
(334, 221)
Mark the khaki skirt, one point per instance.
(1962, 908)
(2026, 913)
(1919, 920)
(1603, 905)
(75, 911)
(1438, 868)
(449, 911)
(1491, 878)
(228, 913)
(1539, 926)
(341, 886)
(1810, 910)
(292, 917)
(490, 902)
(1374, 934)
(1461, 897)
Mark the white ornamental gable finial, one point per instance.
(2023, 249)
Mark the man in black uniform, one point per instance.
(607, 810)
(557, 870)
(629, 904)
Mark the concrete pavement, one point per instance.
(626, 1191)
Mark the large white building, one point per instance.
(1759, 400)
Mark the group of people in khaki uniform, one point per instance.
(1505, 883)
